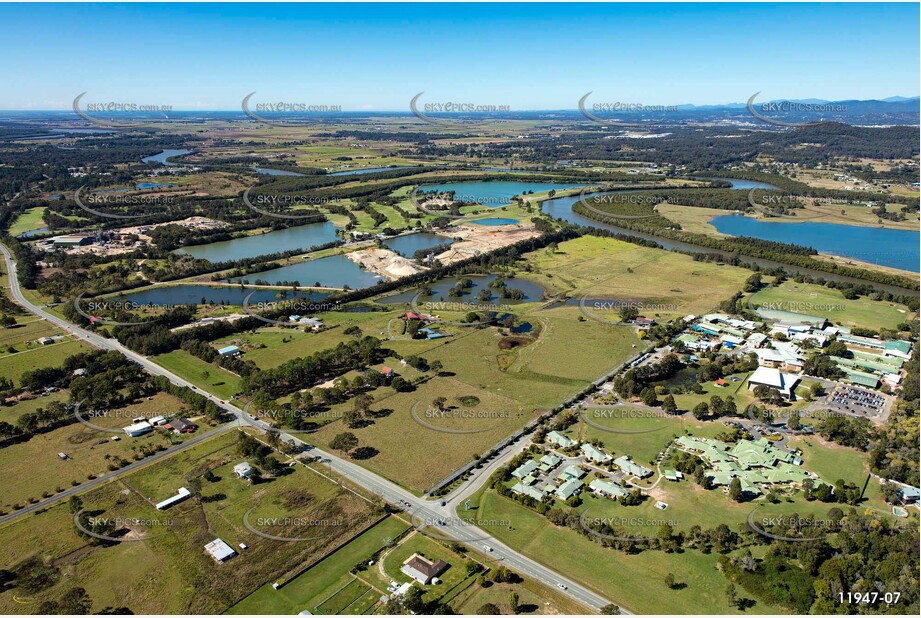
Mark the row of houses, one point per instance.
(756, 463)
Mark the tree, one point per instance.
(412, 600)
(735, 489)
(610, 610)
(731, 597)
(701, 411)
(648, 396)
(669, 405)
(513, 602)
(344, 442)
(438, 403)
(793, 423)
(362, 402)
(670, 580)
(75, 601)
(489, 610)
(351, 418)
(628, 314)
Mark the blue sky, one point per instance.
(526, 56)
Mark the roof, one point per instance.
(386, 370)
(219, 550)
(568, 489)
(428, 568)
(550, 460)
(571, 472)
(784, 382)
(229, 350)
(623, 462)
(901, 346)
(242, 468)
(595, 454)
(603, 486)
(531, 492)
(525, 469)
(560, 440)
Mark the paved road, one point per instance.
(428, 511)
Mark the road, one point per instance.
(426, 510)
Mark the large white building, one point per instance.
(774, 378)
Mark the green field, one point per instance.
(28, 221)
(633, 581)
(34, 469)
(169, 572)
(203, 375)
(324, 578)
(669, 284)
(39, 356)
(822, 301)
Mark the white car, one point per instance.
(561, 586)
(487, 548)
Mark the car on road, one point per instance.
(561, 586)
(487, 548)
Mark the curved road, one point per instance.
(429, 511)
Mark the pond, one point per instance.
(163, 157)
(168, 295)
(533, 292)
(271, 172)
(408, 244)
(299, 237)
(335, 271)
(494, 194)
(492, 221)
(370, 170)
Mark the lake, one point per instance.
(163, 157)
(532, 291)
(334, 271)
(271, 172)
(300, 237)
(743, 184)
(885, 247)
(221, 295)
(370, 170)
(154, 185)
(493, 194)
(492, 221)
(561, 208)
(408, 245)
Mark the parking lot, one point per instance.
(857, 401)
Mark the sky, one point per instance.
(525, 56)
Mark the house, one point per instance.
(525, 469)
(72, 240)
(900, 349)
(555, 437)
(756, 340)
(138, 429)
(181, 495)
(220, 551)
(311, 323)
(785, 383)
(79, 372)
(528, 490)
(387, 371)
(595, 454)
(422, 570)
(243, 470)
(721, 383)
(670, 475)
(909, 495)
(157, 421)
(230, 350)
(568, 489)
(601, 487)
(632, 469)
(571, 472)
(181, 425)
(549, 462)
(643, 321)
